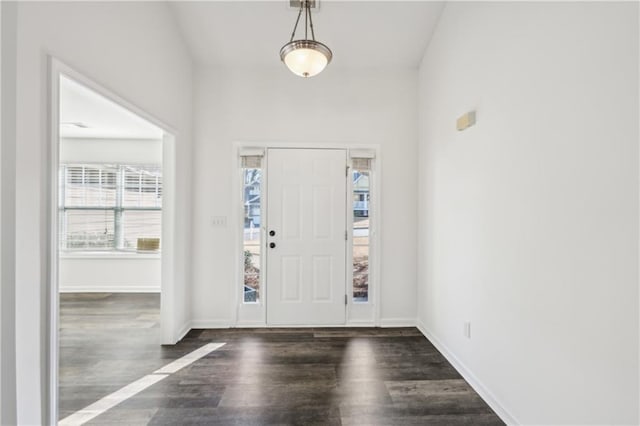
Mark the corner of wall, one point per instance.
(466, 373)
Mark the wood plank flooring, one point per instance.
(260, 376)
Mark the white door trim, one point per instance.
(254, 315)
(169, 333)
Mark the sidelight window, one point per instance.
(252, 220)
(361, 188)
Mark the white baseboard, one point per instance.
(210, 324)
(354, 324)
(387, 323)
(250, 324)
(184, 330)
(400, 322)
(110, 289)
(397, 322)
(360, 324)
(473, 381)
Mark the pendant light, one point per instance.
(305, 58)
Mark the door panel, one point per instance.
(290, 279)
(306, 209)
(322, 273)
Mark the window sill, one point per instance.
(108, 255)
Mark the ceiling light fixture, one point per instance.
(305, 58)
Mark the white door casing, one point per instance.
(306, 205)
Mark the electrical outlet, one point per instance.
(467, 330)
(219, 221)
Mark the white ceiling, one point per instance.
(361, 34)
(80, 107)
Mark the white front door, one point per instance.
(306, 246)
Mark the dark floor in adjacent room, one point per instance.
(352, 376)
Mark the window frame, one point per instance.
(119, 208)
(351, 222)
(260, 228)
(249, 157)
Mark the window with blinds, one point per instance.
(109, 207)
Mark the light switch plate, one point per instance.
(219, 221)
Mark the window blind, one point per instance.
(361, 163)
(109, 207)
(251, 161)
(142, 186)
(90, 186)
(251, 158)
(362, 159)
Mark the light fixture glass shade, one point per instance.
(305, 58)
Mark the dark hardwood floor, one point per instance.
(260, 376)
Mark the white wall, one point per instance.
(134, 50)
(273, 105)
(127, 151)
(8, 17)
(529, 220)
(123, 273)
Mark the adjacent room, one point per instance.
(109, 231)
(321, 212)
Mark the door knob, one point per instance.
(272, 245)
(272, 233)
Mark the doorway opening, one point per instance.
(111, 214)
